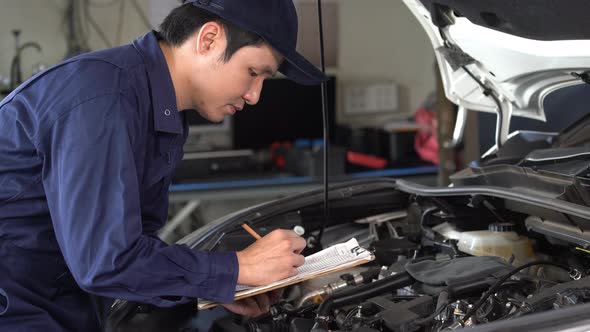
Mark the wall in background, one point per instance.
(379, 40)
(44, 22)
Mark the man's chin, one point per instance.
(212, 116)
(217, 119)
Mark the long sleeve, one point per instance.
(154, 207)
(92, 189)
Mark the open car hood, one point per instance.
(519, 52)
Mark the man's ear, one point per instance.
(210, 36)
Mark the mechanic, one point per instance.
(87, 149)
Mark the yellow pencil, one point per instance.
(251, 231)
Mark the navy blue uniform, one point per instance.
(87, 149)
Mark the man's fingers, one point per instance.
(263, 302)
(275, 295)
(283, 233)
(274, 257)
(236, 307)
(298, 260)
(290, 233)
(295, 242)
(254, 306)
(251, 307)
(298, 244)
(247, 307)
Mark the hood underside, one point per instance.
(531, 19)
(506, 56)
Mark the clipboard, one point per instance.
(333, 259)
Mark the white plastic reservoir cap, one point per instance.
(299, 230)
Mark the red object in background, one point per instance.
(426, 143)
(278, 151)
(365, 160)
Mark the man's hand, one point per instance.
(256, 305)
(274, 257)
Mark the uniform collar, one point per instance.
(166, 116)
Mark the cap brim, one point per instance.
(301, 71)
(295, 66)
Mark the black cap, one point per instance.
(276, 22)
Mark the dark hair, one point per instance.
(183, 21)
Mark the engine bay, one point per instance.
(442, 263)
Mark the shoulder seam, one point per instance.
(41, 133)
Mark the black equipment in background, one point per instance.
(286, 111)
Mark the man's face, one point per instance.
(222, 88)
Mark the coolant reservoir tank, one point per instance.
(499, 240)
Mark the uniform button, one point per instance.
(167, 112)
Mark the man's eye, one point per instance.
(252, 73)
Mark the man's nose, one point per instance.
(253, 94)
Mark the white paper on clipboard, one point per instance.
(335, 258)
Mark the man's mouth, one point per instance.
(235, 108)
